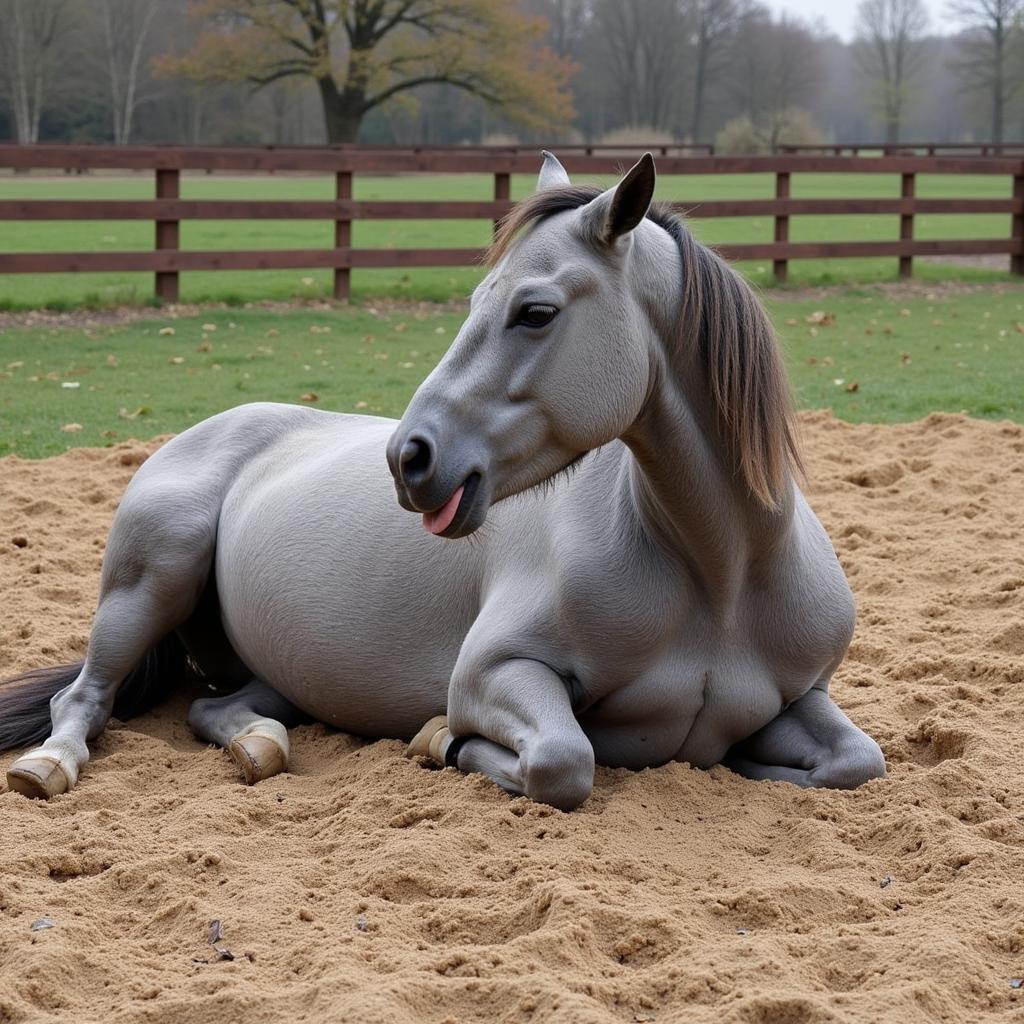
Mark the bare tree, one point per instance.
(30, 31)
(713, 23)
(775, 67)
(985, 60)
(644, 48)
(126, 26)
(888, 32)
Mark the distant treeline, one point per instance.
(453, 71)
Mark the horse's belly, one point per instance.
(339, 599)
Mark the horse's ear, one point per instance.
(619, 210)
(552, 173)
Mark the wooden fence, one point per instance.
(907, 148)
(167, 260)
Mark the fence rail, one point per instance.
(898, 148)
(167, 210)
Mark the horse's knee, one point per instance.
(559, 773)
(852, 766)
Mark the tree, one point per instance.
(363, 53)
(984, 57)
(713, 24)
(642, 46)
(30, 31)
(888, 33)
(126, 26)
(775, 72)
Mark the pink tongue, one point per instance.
(439, 521)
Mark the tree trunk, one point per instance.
(998, 78)
(343, 111)
(696, 125)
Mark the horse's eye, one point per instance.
(536, 315)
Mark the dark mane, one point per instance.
(722, 316)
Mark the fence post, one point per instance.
(167, 233)
(1017, 230)
(502, 189)
(907, 224)
(780, 267)
(343, 235)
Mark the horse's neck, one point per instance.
(683, 484)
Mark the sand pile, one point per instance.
(363, 887)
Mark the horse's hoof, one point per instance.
(37, 777)
(431, 740)
(258, 756)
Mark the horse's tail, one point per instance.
(25, 699)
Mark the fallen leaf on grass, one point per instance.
(167, 331)
(112, 360)
(821, 318)
(15, 366)
(71, 384)
(176, 360)
(905, 359)
(72, 428)
(209, 327)
(852, 387)
(361, 405)
(310, 396)
(142, 410)
(204, 346)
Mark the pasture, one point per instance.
(869, 355)
(62, 291)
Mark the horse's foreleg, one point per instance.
(812, 743)
(514, 723)
(252, 724)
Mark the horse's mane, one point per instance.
(746, 377)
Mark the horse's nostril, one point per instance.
(415, 460)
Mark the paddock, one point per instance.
(366, 881)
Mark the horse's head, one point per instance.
(552, 361)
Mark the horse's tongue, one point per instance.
(439, 521)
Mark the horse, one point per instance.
(617, 567)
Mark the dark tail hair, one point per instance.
(25, 699)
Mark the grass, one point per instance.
(65, 291)
(884, 358)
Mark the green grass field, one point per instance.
(64, 291)
(882, 359)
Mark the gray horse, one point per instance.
(645, 583)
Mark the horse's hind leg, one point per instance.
(158, 558)
(812, 743)
(252, 724)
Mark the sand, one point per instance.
(365, 887)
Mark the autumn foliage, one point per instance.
(364, 53)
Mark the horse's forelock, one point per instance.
(745, 373)
(539, 206)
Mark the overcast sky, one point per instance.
(839, 15)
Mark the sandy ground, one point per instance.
(364, 887)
